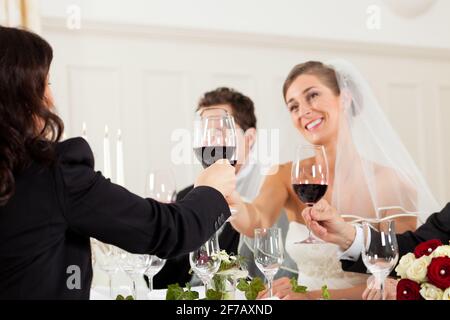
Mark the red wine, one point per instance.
(310, 193)
(208, 155)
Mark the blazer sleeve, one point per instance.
(437, 226)
(95, 207)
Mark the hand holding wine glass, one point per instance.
(219, 176)
(215, 138)
(309, 177)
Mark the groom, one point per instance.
(325, 222)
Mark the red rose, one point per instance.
(426, 248)
(408, 290)
(438, 272)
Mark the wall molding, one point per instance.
(165, 33)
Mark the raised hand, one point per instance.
(220, 176)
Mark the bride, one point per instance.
(371, 174)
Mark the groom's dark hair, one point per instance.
(242, 106)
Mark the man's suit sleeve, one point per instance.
(97, 208)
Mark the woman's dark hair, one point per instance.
(28, 127)
(326, 74)
(242, 106)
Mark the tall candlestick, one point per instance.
(106, 155)
(83, 131)
(120, 176)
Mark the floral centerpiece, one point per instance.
(223, 284)
(232, 275)
(425, 274)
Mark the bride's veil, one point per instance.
(373, 169)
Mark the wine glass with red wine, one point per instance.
(309, 178)
(215, 137)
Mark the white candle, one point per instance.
(120, 176)
(106, 155)
(83, 131)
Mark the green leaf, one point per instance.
(121, 297)
(251, 289)
(190, 295)
(257, 284)
(325, 293)
(296, 287)
(175, 292)
(212, 294)
(243, 285)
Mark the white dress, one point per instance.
(318, 264)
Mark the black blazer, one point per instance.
(46, 225)
(176, 270)
(437, 226)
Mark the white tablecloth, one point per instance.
(102, 293)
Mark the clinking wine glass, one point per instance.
(215, 137)
(309, 178)
(204, 261)
(380, 250)
(268, 253)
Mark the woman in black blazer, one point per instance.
(52, 201)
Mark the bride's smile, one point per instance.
(315, 124)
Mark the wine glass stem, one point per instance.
(134, 290)
(205, 283)
(310, 233)
(269, 283)
(150, 283)
(110, 286)
(382, 289)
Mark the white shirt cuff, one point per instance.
(354, 251)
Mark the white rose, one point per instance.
(404, 264)
(446, 295)
(442, 251)
(430, 292)
(418, 269)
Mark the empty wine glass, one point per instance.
(380, 250)
(309, 178)
(160, 185)
(134, 266)
(268, 253)
(155, 266)
(204, 261)
(107, 256)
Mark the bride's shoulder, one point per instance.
(280, 169)
(388, 177)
